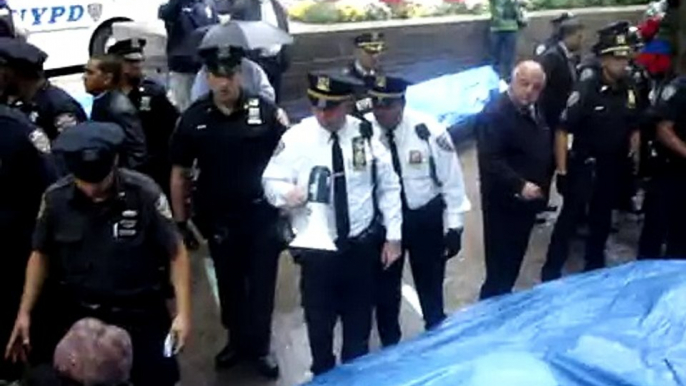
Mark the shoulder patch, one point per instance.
(445, 143)
(40, 140)
(573, 99)
(586, 74)
(540, 49)
(668, 93)
(162, 206)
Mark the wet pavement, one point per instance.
(465, 274)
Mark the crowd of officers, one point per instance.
(103, 241)
(91, 233)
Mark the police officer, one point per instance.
(432, 190)
(105, 235)
(365, 67)
(24, 174)
(157, 114)
(232, 134)
(671, 134)
(515, 163)
(601, 114)
(554, 37)
(339, 283)
(26, 88)
(559, 63)
(101, 79)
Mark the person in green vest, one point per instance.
(507, 18)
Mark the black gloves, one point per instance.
(561, 183)
(453, 243)
(188, 235)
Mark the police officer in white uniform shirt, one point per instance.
(434, 203)
(338, 284)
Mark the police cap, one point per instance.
(222, 61)
(129, 49)
(615, 28)
(613, 43)
(90, 148)
(20, 55)
(372, 42)
(557, 20)
(329, 89)
(387, 89)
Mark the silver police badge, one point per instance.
(145, 103)
(95, 11)
(668, 93)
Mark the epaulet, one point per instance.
(153, 86)
(138, 180)
(587, 74)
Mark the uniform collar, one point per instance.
(360, 70)
(565, 50)
(241, 103)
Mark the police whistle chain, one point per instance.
(424, 134)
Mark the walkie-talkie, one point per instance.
(424, 134)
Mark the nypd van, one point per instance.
(70, 30)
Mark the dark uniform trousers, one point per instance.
(593, 185)
(676, 198)
(245, 250)
(339, 284)
(656, 209)
(506, 237)
(423, 240)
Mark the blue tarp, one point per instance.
(453, 98)
(624, 326)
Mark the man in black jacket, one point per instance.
(559, 64)
(515, 162)
(101, 79)
(273, 60)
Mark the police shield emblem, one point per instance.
(95, 11)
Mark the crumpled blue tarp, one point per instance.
(624, 326)
(452, 98)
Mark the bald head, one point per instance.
(528, 80)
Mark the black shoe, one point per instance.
(267, 366)
(227, 358)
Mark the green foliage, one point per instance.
(564, 4)
(322, 13)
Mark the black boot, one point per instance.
(228, 357)
(267, 366)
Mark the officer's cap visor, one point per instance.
(90, 165)
(134, 57)
(224, 69)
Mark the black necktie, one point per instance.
(396, 164)
(340, 189)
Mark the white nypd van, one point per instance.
(70, 30)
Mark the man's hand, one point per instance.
(453, 243)
(282, 117)
(392, 250)
(19, 344)
(561, 183)
(296, 197)
(531, 192)
(180, 331)
(189, 238)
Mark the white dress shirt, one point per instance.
(414, 153)
(307, 145)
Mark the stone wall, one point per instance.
(422, 49)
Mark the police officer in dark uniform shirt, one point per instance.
(157, 114)
(24, 175)
(515, 162)
(601, 114)
(368, 48)
(106, 235)
(46, 105)
(559, 63)
(102, 79)
(232, 134)
(671, 135)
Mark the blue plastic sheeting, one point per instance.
(624, 326)
(453, 98)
